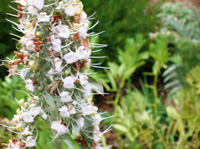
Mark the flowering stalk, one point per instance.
(55, 52)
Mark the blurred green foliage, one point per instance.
(10, 89)
(144, 117)
(121, 20)
(7, 45)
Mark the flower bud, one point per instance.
(67, 72)
(76, 25)
(18, 111)
(39, 34)
(28, 25)
(32, 65)
(19, 128)
(21, 103)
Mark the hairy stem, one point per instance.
(58, 144)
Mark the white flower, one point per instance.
(83, 16)
(34, 111)
(88, 110)
(30, 142)
(97, 136)
(56, 44)
(69, 82)
(16, 119)
(87, 91)
(63, 31)
(43, 17)
(26, 132)
(32, 10)
(64, 112)
(13, 69)
(96, 119)
(70, 57)
(80, 122)
(72, 110)
(70, 11)
(30, 45)
(24, 72)
(83, 79)
(60, 128)
(83, 53)
(38, 4)
(58, 64)
(22, 2)
(83, 32)
(29, 85)
(27, 117)
(65, 97)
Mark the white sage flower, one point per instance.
(70, 11)
(65, 97)
(43, 17)
(64, 112)
(69, 82)
(70, 57)
(30, 142)
(27, 117)
(59, 128)
(29, 85)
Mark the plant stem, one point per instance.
(155, 95)
(117, 98)
(58, 144)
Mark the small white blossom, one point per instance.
(29, 85)
(65, 97)
(80, 122)
(69, 82)
(64, 112)
(43, 17)
(32, 10)
(26, 131)
(70, 57)
(59, 128)
(88, 109)
(13, 69)
(24, 72)
(62, 31)
(83, 32)
(27, 117)
(83, 53)
(72, 110)
(58, 64)
(30, 142)
(56, 44)
(83, 79)
(38, 4)
(70, 11)
(34, 111)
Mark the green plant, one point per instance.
(183, 25)
(160, 54)
(122, 20)
(183, 118)
(129, 61)
(10, 88)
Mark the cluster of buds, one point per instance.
(55, 52)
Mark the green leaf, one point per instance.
(120, 128)
(75, 129)
(50, 101)
(95, 85)
(69, 144)
(112, 80)
(113, 68)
